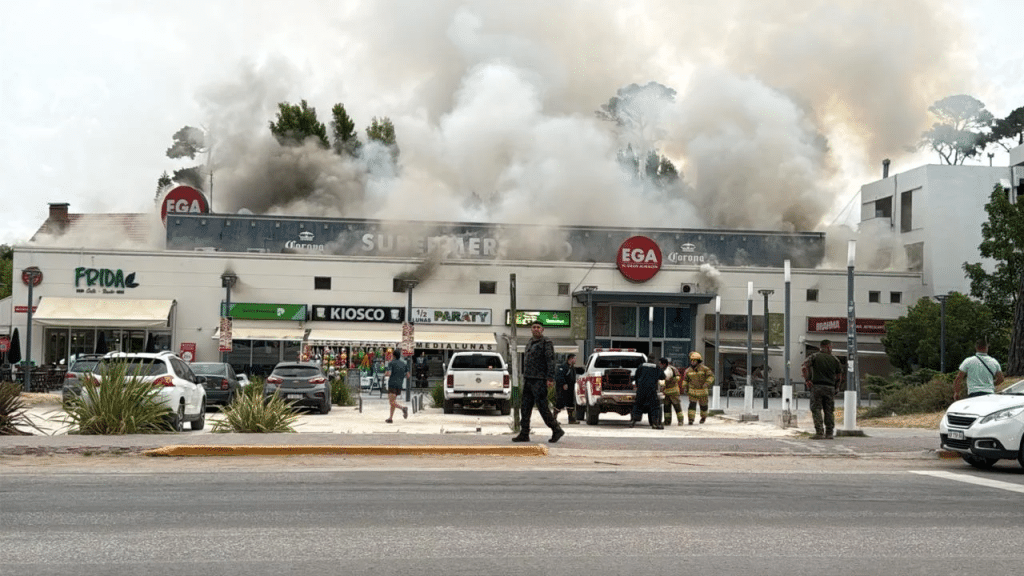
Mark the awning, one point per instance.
(354, 338)
(562, 345)
(289, 334)
(455, 340)
(103, 312)
(740, 347)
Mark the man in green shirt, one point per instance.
(981, 371)
(822, 374)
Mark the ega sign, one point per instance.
(183, 199)
(639, 258)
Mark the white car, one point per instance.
(180, 390)
(243, 379)
(985, 429)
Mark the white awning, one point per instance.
(354, 338)
(455, 340)
(103, 312)
(264, 333)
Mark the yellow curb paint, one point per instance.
(530, 450)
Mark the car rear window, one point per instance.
(207, 369)
(296, 371)
(476, 362)
(618, 361)
(84, 366)
(139, 367)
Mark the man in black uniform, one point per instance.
(647, 376)
(538, 375)
(565, 389)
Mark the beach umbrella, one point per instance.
(14, 354)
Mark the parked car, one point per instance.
(83, 364)
(180, 389)
(301, 383)
(986, 429)
(477, 380)
(222, 384)
(243, 380)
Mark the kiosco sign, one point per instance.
(183, 199)
(639, 258)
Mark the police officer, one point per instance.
(646, 400)
(565, 389)
(538, 375)
(696, 380)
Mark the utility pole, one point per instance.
(764, 364)
(513, 361)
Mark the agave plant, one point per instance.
(123, 404)
(13, 411)
(249, 412)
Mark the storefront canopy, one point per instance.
(740, 347)
(455, 340)
(354, 338)
(289, 334)
(103, 312)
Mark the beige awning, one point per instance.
(104, 312)
(283, 333)
(455, 340)
(354, 338)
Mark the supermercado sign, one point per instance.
(479, 316)
(342, 313)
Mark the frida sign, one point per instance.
(639, 258)
(103, 278)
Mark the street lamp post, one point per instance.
(764, 361)
(787, 385)
(227, 281)
(942, 331)
(409, 285)
(748, 389)
(716, 390)
(31, 276)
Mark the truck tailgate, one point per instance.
(478, 380)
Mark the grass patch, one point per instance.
(341, 394)
(250, 413)
(923, 392)
(437, 395)
(13, 411)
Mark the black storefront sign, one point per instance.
(341, 313)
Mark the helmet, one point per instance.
(695, 356)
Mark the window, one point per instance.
(322, 283)
(563, 288)
(895, 297)
(812, 294)
(915, 256)
(883, 207)
(874, 296)
(488, 287)
(907, 211)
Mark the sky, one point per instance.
(782, 109)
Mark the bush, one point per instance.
(913, 394)
(437, 395)
(13, 411)
(123, 404)
(249, 412)
(341, 394)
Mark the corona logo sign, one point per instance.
(183, 199)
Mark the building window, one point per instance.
(895, 297)
(563, 288)
(907, 211)
(812, 294)
(915, 256)
(488, 287)
(397, 285)
(883, 207)
(321, 283)
(874, 296)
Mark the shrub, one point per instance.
(912, 394)
(249, 412)
(13, 411)
(437, 395)
(123, 404)
(341, 394)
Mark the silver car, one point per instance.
(301, 384)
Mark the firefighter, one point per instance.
(697, 379)
(672, 381)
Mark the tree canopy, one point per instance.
(1001, 290)
(1008, 132)
(914, 341)
(343, 128)
(636, 110)
(961, 130)
(6, 270)
(187, 142)
(296, 123)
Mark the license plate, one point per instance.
(294, 397)
(956, 435)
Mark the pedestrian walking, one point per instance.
(538, 376)
(646, 400)
(396, 374)
(672, 392)
(981, 371)
(822, 374)
(697, 379)
(565, 389)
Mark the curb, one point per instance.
(528, 450)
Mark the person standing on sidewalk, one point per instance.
(646, 399)
(696, 380)
(822, 373)
(538, 375)
(396, 374)
(672, 381)
(981, 371)
(565, 389)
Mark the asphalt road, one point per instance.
(676, 515)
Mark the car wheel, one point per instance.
(449, 406)
(593, 413)
(325, 407)
(178, 419)
(978, 462)
(199, 422)
(506, 407)
(1020, 454)
(581, 412)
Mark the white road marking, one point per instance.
(971, 480)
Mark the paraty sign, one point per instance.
(183, 199)
(639, 258)
(481, 316)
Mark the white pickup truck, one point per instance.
(477, 380)
(608, 383)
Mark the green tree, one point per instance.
(343, 128)
(189, 142)
(914, 341)
(961, 130)
(1009, 132)
(636, 110)
(296, 123)
(6, 270)
(383, 131)
(162, 183)
(1002, 241)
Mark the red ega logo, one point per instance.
(183, 199)
(639, 258)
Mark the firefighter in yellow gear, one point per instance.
(697, 380)
(672, 385)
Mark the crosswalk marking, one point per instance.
(971, 480)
